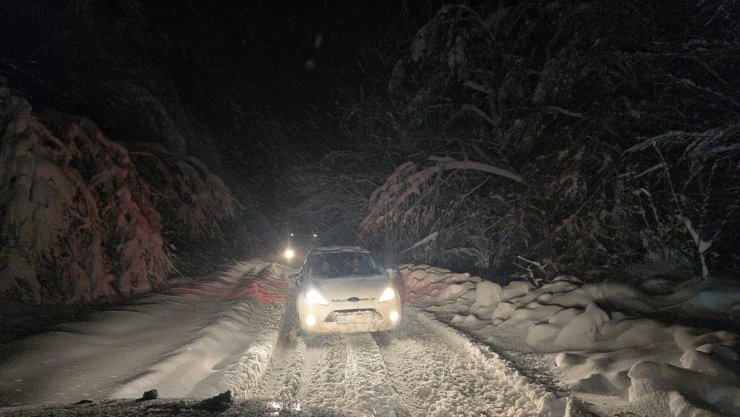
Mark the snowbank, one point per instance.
(439, 287)
(597, 341)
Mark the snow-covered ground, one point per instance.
(517, 351)
(610, 357)
(185, 344)
(238, 332)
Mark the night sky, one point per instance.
(300, 59)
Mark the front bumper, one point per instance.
(349, 317)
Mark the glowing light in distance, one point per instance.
(311, 321)
(394, 316)
(289, 254)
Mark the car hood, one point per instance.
(343, 288)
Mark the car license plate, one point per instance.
(348, 318)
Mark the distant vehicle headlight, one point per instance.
(314, 297)
(388, 294)
(289, 254)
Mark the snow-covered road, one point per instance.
(238, 331)
(422, 369)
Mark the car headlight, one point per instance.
(289, 254)
(314, 297)
(388, 294)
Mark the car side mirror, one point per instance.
(391, 272)
(297, 278)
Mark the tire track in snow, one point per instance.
(283, 377)
(430, 375)
(367, 388)
(244, 376)
(440, 372)
(282, 380)
(290, 384)
(322, 378)
(425, 368)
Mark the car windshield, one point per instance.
(342, 264)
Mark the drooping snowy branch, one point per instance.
(81, 221)
(550, 100)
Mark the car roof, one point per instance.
(338, 249)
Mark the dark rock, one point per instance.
(220, 402)
(149, 395)
(84, 402)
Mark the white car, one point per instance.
(344, 290)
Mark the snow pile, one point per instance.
(642, 360)
(680, 370)
(599, 344)
(80, 222)
(438, 287)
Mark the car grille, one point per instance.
(351, 299)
